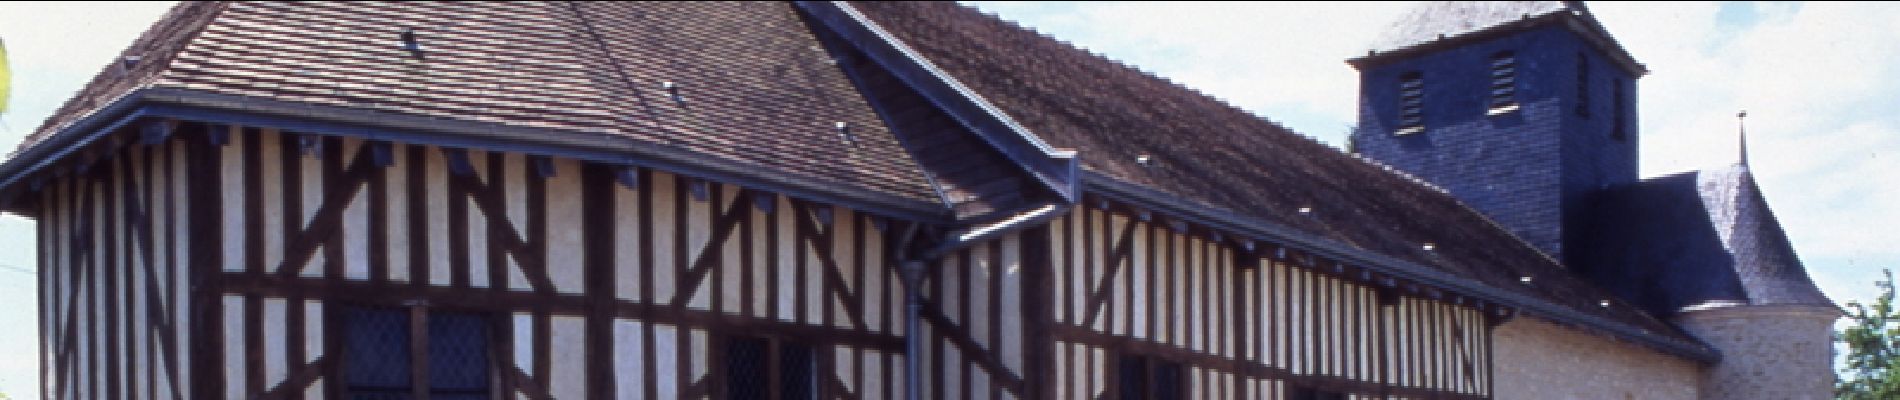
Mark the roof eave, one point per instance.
(1096, 183)
(193, 105)
(1589, 30)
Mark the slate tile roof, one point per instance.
(758, 88)
(1697, 238)
(1438, 20)
(1444, 24)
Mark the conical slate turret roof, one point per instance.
(1765, 262)
(1692, 240)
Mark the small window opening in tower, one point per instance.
(1619, 124)
(1503, 83)
(1411, 103)
(1583, 86)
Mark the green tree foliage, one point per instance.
(1873, 348)
(6, 83)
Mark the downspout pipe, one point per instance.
(911, 270)
(913, 275)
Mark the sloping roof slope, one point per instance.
(1436, 25)
(756, 87)
(1695, 239)
(1441, 19)
(1210, 153)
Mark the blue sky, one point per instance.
(1817, 79)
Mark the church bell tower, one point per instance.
(1519, 109)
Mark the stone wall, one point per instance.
(1538, 360)
(1768, 352)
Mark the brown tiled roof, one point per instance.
(756, 87)
(1208, 152)
(135, 67)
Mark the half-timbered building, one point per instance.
(805, 200)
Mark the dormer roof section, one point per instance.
(1056, 169)
(1435, 26)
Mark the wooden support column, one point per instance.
(1038, 314)
(207, 259)
(597, 226)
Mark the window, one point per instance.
(380, 361)
(1149, 378)
(1583, 85)
(1411, 103)
(1310, 393)
(1619, 123)
(756, 368)
(1503, 83)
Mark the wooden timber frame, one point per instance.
(217, 261)
(1250, 320)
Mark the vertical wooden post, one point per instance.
(207, 260)
(1038, 314)
(419, 351)
(597, 224)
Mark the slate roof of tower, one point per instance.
(1441, 19)
(761, 90)
(1442, 24)
(1698, 238)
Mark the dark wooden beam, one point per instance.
(299, 379)
(709, 256)
(554, 304)
(207, 260)
(819, 242)
(1119, 255)
(959, 338)
(597, 226)
(327, 224)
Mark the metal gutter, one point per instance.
(1261, 230)
(599, 147)
(1033, 216)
